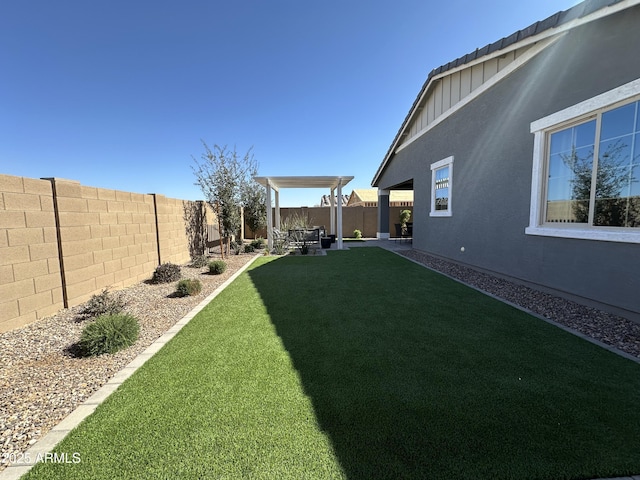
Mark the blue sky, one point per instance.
(120, 94)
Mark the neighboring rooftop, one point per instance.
(369, 197)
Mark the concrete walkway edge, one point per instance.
(41, 450)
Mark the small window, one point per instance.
(441, 187)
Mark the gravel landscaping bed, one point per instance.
(610, 329)
(41, 381)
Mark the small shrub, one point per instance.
(217, 267)
(166, 273)
(188, 286)
(249, 248)
(357, 233)
(280, 247)
(109, 334)
(258, 243)
(104, 303)
(199, 261)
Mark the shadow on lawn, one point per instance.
(340, 366)
(412, 375)
(354, 361)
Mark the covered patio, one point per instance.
(333, 183)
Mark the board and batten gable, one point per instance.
(490, 140)
(451, 89)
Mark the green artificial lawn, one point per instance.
(363, 365)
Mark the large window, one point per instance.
(441, 187)
(593, 171)
(586, 178)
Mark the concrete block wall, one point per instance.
(362, 218)
(174, 241)
(108, 238)
(30, 281)
(61, 242)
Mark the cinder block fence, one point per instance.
(61, 242)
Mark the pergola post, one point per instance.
(277, 209)
(339, 219)
(269, 218)
(332, 213)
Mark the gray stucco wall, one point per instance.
(492, 145)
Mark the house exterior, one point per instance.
(524, 157)
(369, 198)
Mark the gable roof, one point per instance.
(553, 25)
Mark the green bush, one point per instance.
(238, 247)
(249, 248)
(166, 273)
(217, 267)
(199, 261)
(188, 286)
(279, 247)
(258, 243)
(103, 303)
(109, 334)
(357, 233)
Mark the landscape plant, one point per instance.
(188, 286)
(357, 234)
(226, 180)
(166, 273)
(103, 303)
(109, 334)
(280, 245)
(238, 247)
(405, 215)
(258, 243)
(216, 267)
(295, 227)
(199, 261)
(254, 202)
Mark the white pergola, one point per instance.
(332, 183)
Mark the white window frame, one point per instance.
(541, 130)
(445, 162)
